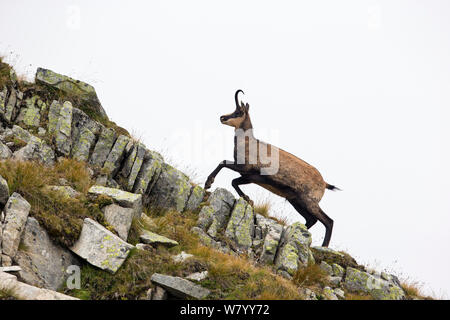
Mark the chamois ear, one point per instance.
(247, 107)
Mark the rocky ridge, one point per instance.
(34, 128)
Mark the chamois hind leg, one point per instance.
(237, 182)
(310, 219)
(313, 208)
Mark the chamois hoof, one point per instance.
(208, 183)
(249, 201)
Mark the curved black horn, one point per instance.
(236, 97)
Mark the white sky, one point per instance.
(359, 89)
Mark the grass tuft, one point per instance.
(413, 290)
(60, 215)
(310, 276)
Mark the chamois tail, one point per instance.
(331, 187)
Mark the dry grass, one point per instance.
(4, 73)
(311, 276)
(354, 296)
(413, 290)
(233, 277)
(176, 226)
(61, 216)
(230, 277)
(264, 207)
(7, 295)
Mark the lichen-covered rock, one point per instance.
(332, 256)
(84, 132)
(123, 198)
(271, 233)
(179, 287)
(103, 147)
(198, 276)
(171, 190)
(36, 149)
(378, 288)
(53, 115)
(115, 156)
(241, 225)
(205, 239)
(129, 160)
(335, 281)
(16, 214)
(65, 191)
(294, 249)
(156, 239)
(119, 218)
(213, 218)
(196, 197)
(308, 294)
(136, 162)
(10, 108)
(149, 173)
(182, 257)
(80, 121)
(3, 97)
(5, 152)
(4, 192)
(338, 270)
(390, 278)
(101, 247)
(339, 293)
(72, 87)
(82, 145)
(157, 293)
(326, 268)
(329, 294)
(30, 114)
(63, 132)
(43, 263)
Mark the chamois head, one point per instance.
(240, 117)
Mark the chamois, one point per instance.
(295, 180)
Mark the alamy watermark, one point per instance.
(74, 279)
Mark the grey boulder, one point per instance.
(43, 263)
(119, 218)
(180, 287)
(100, 247)
(16, 214)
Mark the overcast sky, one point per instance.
(359, 89)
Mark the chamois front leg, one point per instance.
(224, 164)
